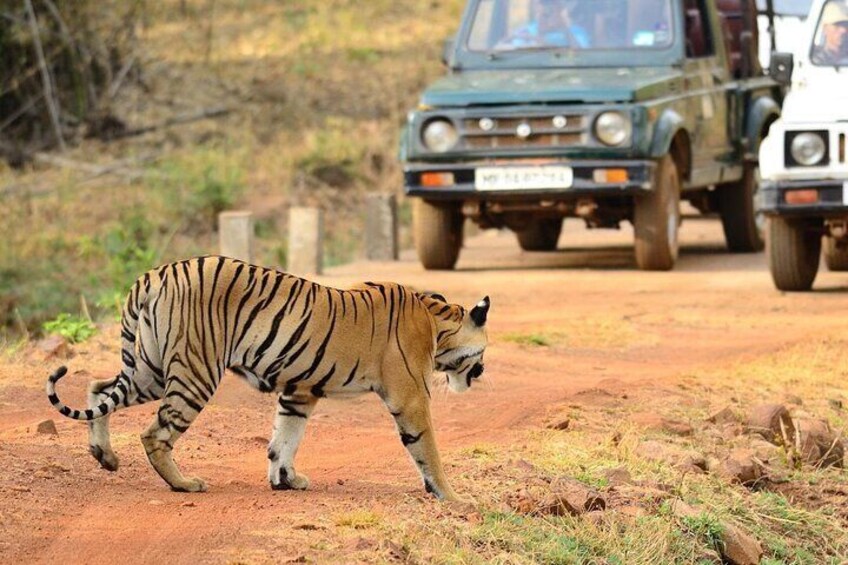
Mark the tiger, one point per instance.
(184, 323)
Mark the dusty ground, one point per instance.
(614, 327)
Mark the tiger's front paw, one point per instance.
(190, 485)
(289, 481)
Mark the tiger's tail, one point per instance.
(136, 300)
(107, 406)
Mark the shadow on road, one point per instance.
(693, 258)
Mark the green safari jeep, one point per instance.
(604, 110)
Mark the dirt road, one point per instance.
(612, 322)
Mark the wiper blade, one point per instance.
(494, 54)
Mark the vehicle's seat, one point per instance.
(696, 41)
(739, 30)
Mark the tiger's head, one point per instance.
(460, 350)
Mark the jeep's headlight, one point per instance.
(439, 135)
(808, 148)
(613, 128)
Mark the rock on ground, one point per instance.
(561, 424)
(737, 547)
(47, 427)
(724, 416)
(818, 444)
(568, 496)
(772, 421)
(54, 347)
(739, 467)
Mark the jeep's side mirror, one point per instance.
(447, 51)
(781, 66)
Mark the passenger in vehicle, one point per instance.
(833, 46)
(553, 26)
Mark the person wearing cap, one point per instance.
(553, 27)
(833, 49)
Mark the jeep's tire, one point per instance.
(744, 229)
(541, 234)
(437, 230)
(794, 248)
(656, 219)
(835, 256)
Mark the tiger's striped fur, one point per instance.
(184, 323)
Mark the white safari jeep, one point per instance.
(804, 160)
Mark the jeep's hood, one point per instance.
(817, 101)
(573, 85)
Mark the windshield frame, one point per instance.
(559, 57)
(817, 31)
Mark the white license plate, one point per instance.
(518, 178)
(845, 193)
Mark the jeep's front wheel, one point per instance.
(437, 230)
(540, 234)
(794, 247)
(744, 229)
(835, 254)
(656, 219)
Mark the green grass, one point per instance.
(530, 339)
(806, 527)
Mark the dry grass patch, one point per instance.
(589, 332)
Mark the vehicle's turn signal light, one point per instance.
(807, 196)
(437, 179)
(610, 176)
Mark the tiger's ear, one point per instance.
(479, 312)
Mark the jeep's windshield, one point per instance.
(792, 8)
(830, 43)
(504, 26)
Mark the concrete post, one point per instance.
(306, 241)
(381, 227)
(235, 234)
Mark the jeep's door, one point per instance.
(707, 80)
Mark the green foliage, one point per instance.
(340, 247)
(128, 251)
(707, 526)
(363, 54)
(202, 183)
(34, 291)
(332, 158)
(73, 328)
(123, 252)
(542, 541)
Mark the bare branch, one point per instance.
(52, 103)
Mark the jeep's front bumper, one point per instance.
(784, 198)
(639, 175)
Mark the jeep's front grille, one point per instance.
(565, 129)
(511, 141)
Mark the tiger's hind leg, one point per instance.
(185, 397)
(99, 442)
(142, 388)
(146, 384)
(289, 425)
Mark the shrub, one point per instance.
(73, 328)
